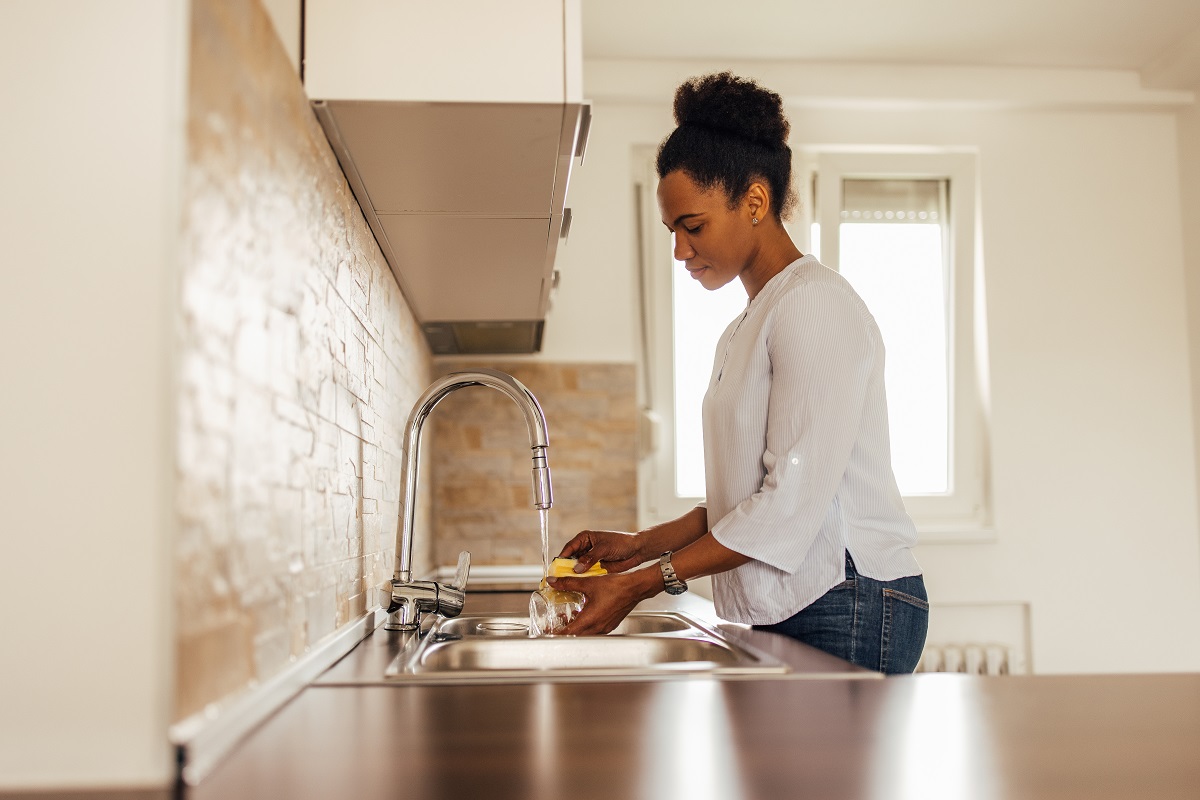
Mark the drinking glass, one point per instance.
(550, 610)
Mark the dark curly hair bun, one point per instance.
(731, 133)
(725, 102)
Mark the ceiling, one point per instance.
(1097, 34)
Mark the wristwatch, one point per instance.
(672, 584)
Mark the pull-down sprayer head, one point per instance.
(543, 495)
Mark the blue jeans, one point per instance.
(879, 625)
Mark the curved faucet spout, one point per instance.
(539, 442)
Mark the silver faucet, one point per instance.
(404, 598)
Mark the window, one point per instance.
(892, 236)
(901, 228)
(699, 317)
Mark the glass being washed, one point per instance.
(551, 609)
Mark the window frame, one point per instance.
(962, 514)
(657, 501)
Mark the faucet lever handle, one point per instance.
(464, 570)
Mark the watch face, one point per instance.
(676, 588)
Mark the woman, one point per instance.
(803, 531)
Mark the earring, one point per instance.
(754, 220)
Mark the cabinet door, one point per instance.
(456, 158)
(461, 51)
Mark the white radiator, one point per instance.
(972, 659)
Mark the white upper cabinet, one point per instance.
(457, 125)
(504, 51)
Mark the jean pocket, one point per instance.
(904, 597)
(905, 623)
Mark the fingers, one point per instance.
(588, 624)
(614, 550)
(584, 561)
(581, 543)
(600, 614)
(585, 548)
(583, 626)
(579, 625)
(620, 566)
(570, 584)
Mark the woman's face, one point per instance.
(712, 240)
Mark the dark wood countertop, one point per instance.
(919, 737)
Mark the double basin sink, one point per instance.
(497, 647)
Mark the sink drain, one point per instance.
(503, 628)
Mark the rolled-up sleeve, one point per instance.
(823, 354)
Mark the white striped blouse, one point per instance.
(797, 459)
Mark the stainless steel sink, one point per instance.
(511, 625)
(497, 647)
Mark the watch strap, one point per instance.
(671, 581)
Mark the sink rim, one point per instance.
(746, 661)
(574, 654)
(670, 623)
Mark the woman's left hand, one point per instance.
(610, 598)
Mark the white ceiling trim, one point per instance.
(1050, 34)
(902, 86)
(1178, 67)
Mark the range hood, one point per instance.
(468, 203)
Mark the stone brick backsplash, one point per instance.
(480, 456)
(299, 360)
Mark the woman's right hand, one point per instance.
(616, 551)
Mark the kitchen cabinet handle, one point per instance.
(585, 129)
(565, 230)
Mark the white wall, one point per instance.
(1093, 464)
(1093, 459)
(1189, 179)
(593, 313)
(90, 164)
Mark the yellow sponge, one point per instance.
(565, 568)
